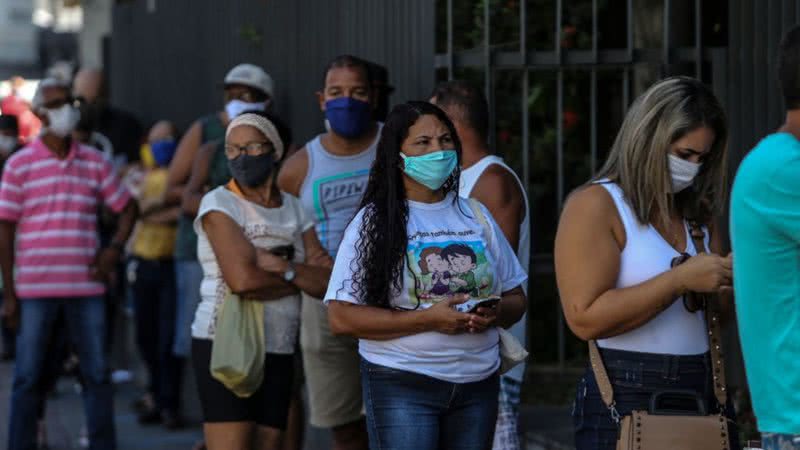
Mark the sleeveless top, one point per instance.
(469, 178)
(647, 254)
(332, 190)
(186, 239)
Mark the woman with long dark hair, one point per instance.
(628, 253)
(429, 358)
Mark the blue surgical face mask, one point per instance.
(163, 151)
(348, 117)
(431, 170)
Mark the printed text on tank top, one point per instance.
(332, 189)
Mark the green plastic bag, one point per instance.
(238, 349)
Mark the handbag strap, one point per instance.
(475, 206)
(714, 344)
(713, 324)
(603, 382)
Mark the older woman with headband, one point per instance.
(257, 243)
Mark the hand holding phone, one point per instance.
(490, 303)
(284, 251)
(479, 323)
(472, 305)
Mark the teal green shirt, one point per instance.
(765, 231)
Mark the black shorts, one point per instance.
(268, 406)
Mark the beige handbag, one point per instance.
(672, 430)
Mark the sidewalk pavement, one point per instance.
(65, 419)
(545, 428)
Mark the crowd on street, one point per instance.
(382, 267)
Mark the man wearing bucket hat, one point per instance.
(246, 87)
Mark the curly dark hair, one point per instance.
(382, 242)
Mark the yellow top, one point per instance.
(154, 240)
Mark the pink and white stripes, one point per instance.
(55, 205)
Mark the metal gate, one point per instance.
(559, 95)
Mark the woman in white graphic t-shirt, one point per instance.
(411, 265)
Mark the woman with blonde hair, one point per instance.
(626, 259)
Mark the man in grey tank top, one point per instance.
(486, 178)
(329, 176)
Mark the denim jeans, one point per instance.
(410, 411)
(153, 289)
(188, 276)
(506, 433)
(86, 323)
(635, 377)
(776, 441)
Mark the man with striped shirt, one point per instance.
(50, 194)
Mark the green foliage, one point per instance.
(251, 35)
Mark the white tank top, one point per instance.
(469, 177)
(674, 331)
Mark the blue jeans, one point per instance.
(506, 432)
(86, 324)
(775, 441)
(188, 276)
(410, 411)
(154, 299)
(635, 378)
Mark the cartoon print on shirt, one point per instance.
(432, 263)
(462, 262)
(443, 269)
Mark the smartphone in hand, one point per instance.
(471, 306)
(284, 251)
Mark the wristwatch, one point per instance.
(290, 273)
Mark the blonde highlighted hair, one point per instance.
(638, 160)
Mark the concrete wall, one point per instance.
(18, 42)
(96, 26)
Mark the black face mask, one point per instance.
(251, 171)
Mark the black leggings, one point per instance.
(268, 406)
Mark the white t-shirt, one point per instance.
(447, 254)
(265, 228)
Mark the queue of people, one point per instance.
(379, 266)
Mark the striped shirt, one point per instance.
(55, 205)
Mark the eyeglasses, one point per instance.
(692, 301)
(251, 149)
